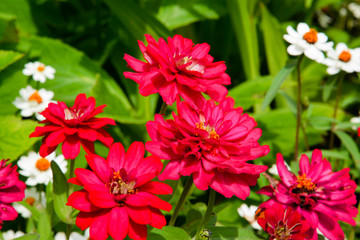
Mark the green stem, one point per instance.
(68, 231)
(163, 108)
(298, 111)
(71, 174)
(208, 213)
(181, 201)
(337, 101)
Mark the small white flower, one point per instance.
(354, 9)
(37, 169)
(343, 58)
(39, 71)
(10, 235)
(274, 171)
(32, 101)
(31, 198)
(308, 41)
(355, 120)
(249, 214)
(324, 20)
(73, 236)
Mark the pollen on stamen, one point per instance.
(305, 183)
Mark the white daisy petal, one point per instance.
(332, 70)
(302, 28)
(294, 50)
(322, 38)
(290, 39)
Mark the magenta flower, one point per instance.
(178, 68)
(283, 224)
(11, 190)
(213, 143)
(321, 196)
(118, 196)
(73, 127)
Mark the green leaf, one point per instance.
(167, 232)
(351, 146)
(44, 227)
(249, 93)
(61, 188)
(232, 233)
(275, 49)
(290, 101)
(278, 80)
(244, 24)
(8, 31)
(34, 211)
(137, 20)
(179, 13)
(31, 236)
(8, 57)
(14, 135)
(328, 88)
(331, 154)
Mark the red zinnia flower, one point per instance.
(118, 196)
(283, 224)
(321, 196)
(73, 127)
(358, 130)
(11, 190)
(213, 143)
(178, 68)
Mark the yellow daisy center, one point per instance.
(41, 68)
(30, 201)
(345, 56)
(35, 97)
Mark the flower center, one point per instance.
(71, 114)
(42, 164)
(35, 97)
(41, 68)
(210, 129)
(311, 36)
(281, 232)
(192, 64)
(120, 185)
(345, 56)
(305, 184)
(30, 201)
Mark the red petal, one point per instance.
(157, 188)
(98, 227)
(137, 231)
(140, 215)
(84, 219)
(116, 156)
(80, 201)
(71, 147)
(118, 223)
(134, 156)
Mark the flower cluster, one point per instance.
(321, 196)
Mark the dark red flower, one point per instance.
(212, 143)
(283, 224)
(118, 196)
(178, 68)
(11, 190)
(73, 126)
(321, 196)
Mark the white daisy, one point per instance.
(273, 170)
(73, 236)
(32, 101)
(31, 198)
(37, 169)
(39, 71)
(355, 120)
(10, 235)
(249, 214)
(343, 58)
(354, 9)
(308, 41)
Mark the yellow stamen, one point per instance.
(42, 164)
(41, 68)
(345, 56)
(35, 97)
(311, 36)
(305, 183)
(30, 201)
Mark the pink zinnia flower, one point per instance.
(178, 68)
(213, 143)
(73, 126)
(282, 224)
(321, 196)
(11, 190)
(118, 196)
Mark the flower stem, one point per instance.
(298, 112)
(71, 174)
(180, 203)
(163, 108)
(337, 101)
(68, 231)
(208, 212)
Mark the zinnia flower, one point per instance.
(283, 224)
(249, 214)
(118, 196)
(73, 127)
(308, 41)
(32, 197)
(343, 58)
(321, 196)
(32, 101)
(37, 168)
(39, 71)
(212, 143)
(11, 190)
(178, 68)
